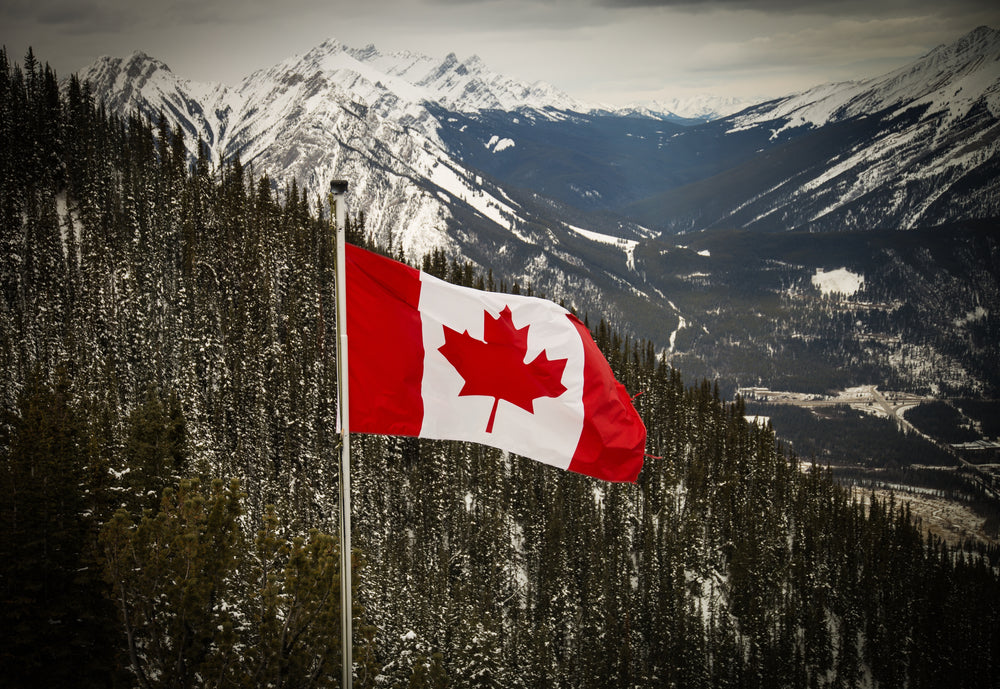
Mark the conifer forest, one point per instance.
(169, 470)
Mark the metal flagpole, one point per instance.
(337, 190)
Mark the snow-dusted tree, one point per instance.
(199, 605)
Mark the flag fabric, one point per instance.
(435, 360)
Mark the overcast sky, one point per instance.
(608, 51)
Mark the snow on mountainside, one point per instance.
(950, 80)
(393, 123)
(579, 203)
(376, 119)
(704, 107)
(339, 112)
(934, 161)
(689, 110)
(917, 147)
(144, 84)
(443, 153)
(463, 86)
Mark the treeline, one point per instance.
(942, 421)
(986, 413)
(925, 317)
(165, 323)
(843, 436)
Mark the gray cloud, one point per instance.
(823, 7)
(609, 50)
(86, 16)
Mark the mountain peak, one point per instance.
(126, 77)
(479, 157)
(474, 62)
(703, 106)
(448, 65)
(140, 56)
(950, 79)
(977, 39)
(136, 64)
(367, 53)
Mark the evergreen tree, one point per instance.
(57, 627)
(197, 608)
(191, 306)
(156, 446)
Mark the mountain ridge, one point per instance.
(924, 81)
(578, 204)
(324, 115)
(327, 110)
(949, 82)
(915, 147)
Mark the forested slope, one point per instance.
(164, 324)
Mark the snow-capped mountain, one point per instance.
(521, 178)
(691, 110)
(916, 147)
(381, 121)
(949, 81)
(340, 112)
(144, 84)
(701, 108)
(463, 86)
(415, 134)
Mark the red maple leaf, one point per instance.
(496, 368)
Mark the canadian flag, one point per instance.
(434, 360)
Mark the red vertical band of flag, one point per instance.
(613, 439)
(385, 348)
(430, 359)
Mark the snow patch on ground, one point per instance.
(460, 187)
(496, 144)
(68, 219)
(977, 315)
(626, 245)
(681, 323)
(841, 281)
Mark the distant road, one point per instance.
(891, 404)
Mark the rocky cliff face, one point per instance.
(335, 113)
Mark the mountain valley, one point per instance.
(166, 300)
(706, 233)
